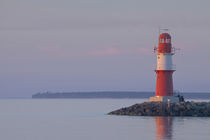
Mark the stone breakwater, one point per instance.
(195, 109)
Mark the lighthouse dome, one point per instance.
(165, 36)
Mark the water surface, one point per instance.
(86, 119)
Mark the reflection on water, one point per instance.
(164, 128)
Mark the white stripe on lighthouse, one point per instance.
(164, 62)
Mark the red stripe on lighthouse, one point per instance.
(164, 83)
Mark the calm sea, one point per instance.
(86, 119)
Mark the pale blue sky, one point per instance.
(97, 45)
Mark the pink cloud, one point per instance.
(67, 52)
(61, 52)
(117, 51)
(144, 50)
(108, 51)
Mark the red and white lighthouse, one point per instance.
(164, 70)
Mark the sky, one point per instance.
(100, 45)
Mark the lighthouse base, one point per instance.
(170, 99)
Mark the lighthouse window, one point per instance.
(168, 40)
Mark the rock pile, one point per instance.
(195, 109)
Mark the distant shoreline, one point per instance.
(112, 95)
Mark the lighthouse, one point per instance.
(164, 70)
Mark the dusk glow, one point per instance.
(100, 45)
